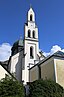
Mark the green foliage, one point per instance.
(45, 88)
(11, 88)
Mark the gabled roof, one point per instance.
(57, 54)
(5, 63)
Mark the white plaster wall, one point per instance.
(3, 72)
(16, 65)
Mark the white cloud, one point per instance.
(53, 50)
(5, 51)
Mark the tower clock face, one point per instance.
(31, 24)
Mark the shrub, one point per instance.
(11, 88)
(45, 88)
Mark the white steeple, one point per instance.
(31, 44)
(31, 15)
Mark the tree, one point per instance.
(45, 88)
(10, 87)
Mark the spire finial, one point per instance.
(20, 37)
(30, 5)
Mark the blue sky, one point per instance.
(49, 19)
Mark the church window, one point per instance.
(31, 52)
(31, 17)
(39, 69)
(33, 34)
(29, 33)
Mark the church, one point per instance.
(27, 63)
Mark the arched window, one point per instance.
(31, 17)
(33, 34)
(31, 52)
(29, 32)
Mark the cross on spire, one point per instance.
(30, 5)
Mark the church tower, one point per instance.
(25, 53)
(31, 44)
